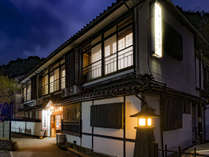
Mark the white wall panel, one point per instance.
(108, 146)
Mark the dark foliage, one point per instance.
(20, 67)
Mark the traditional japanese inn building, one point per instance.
(136, 52)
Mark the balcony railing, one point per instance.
(113, 63)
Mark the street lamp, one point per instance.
(144, 132)
(145, 117)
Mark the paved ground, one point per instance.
(202, 149)
(4, 154)
(30, 147)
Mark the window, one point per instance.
(110, 48)
(96, 56)
(44, 84)
(125, 48)
(173, 42)
(51, 82)
(28, 92)
(107, 116)
(54, 81)
(118, 51)
(25, 93)
(63, 79)
(72, 113)
(172, 113)
(71, 123)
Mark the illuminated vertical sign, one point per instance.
(158, 30)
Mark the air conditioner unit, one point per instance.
(74, 90)
(65, 92)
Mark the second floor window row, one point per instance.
(53, 81)
(27, 92)
(112, 52)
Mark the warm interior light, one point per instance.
(158, 30)
(149, 122)
(142, 122)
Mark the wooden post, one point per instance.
(179, 151)
(144, 143)
(195, 152)
(166, 150)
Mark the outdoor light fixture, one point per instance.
(157, 30)
(145, 117)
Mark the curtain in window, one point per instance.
(56, 80)
(29, 92)
(96, 68)
(110, 48)
(125, 48)
(63, 73)
(51, 79)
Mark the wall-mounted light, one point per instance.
(158, 39)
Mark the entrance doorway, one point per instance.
(52, 117)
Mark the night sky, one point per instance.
(37, 27)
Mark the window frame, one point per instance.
(87, 48)
(58, 65)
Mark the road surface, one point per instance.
(31, 147)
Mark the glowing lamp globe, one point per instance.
(145, 117)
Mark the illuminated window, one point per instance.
(28, 92)
(110, 49)
(63, 77)
(44, 85)
(96, 63)
(125, 48)
(24, 93)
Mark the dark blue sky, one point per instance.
(37, 27)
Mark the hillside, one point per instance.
(20, 67)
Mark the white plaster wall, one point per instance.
(133, 105)
(85, 116)
(180, 137)
(111, 146)
(86, 141)
(72, 139)
(130, 149)
(108, 146)
(19, 127)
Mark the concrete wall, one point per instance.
(29, 128)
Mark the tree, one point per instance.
(8, 89)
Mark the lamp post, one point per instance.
(144, 145)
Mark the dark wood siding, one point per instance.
(33, 87)
(173, 113)
(70, 69)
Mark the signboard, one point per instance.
(6, 111)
